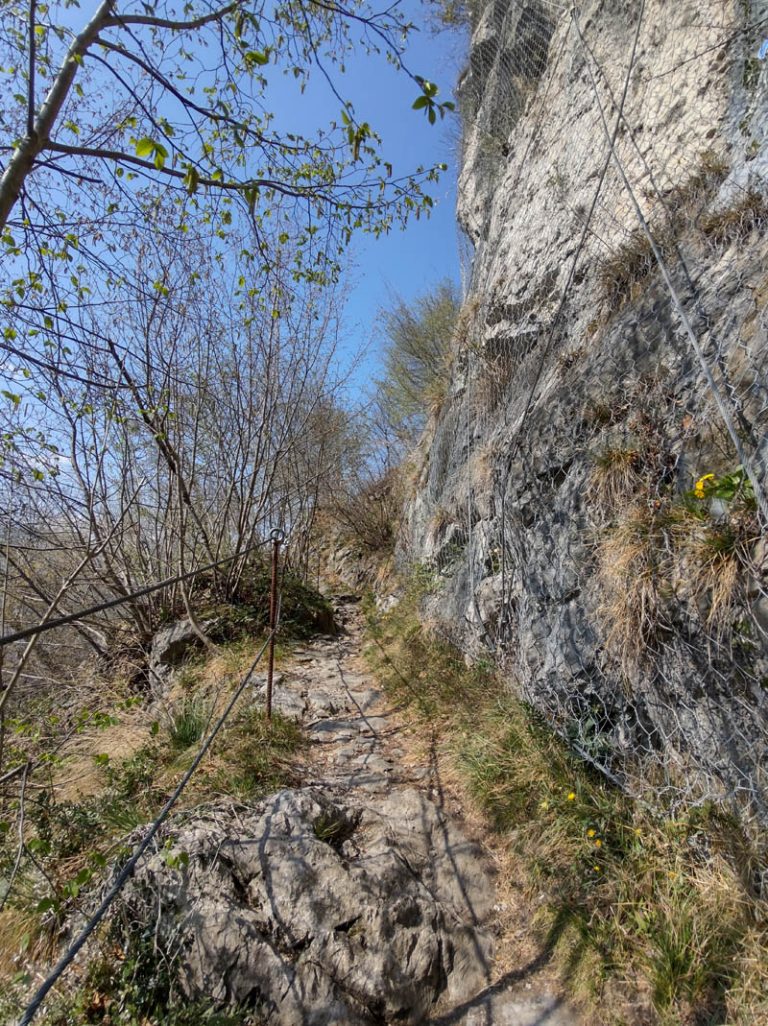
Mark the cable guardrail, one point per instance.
(81, 614)
(276, 538)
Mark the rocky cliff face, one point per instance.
(611, 354)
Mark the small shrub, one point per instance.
(304, 611)
(135, 775)
(133, 986)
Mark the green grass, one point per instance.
(133, 987)
(258, 755)
(653, 907)
(189, 722)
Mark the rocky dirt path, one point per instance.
(356, 899)
(359, 751)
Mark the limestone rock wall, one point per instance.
(556, 494)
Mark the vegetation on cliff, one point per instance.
(647, 910)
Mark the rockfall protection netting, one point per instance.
(595, 499)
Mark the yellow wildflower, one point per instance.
(591, 833)
(596, 868)
(699, 487)
(571, 796)
(598, 843)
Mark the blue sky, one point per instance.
(406, 262)
(409, 262)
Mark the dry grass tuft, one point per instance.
(721, 565)
(662, 549)
(695, 190)
(737, 222)
(622, 274)
(22, 939)
(616, 476)
(633, 569)
(747, 1000)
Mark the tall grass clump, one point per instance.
(189, 722)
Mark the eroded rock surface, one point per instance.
(172, 644)
(320, 911)
(570, 356)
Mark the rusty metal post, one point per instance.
(277, 537)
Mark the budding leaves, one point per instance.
(147, 147)
(191, 180)
(427, 102)
(255, 58)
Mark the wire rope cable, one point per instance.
(61, 621)
(675, 296)
(127, 871)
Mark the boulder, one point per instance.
(172, 644)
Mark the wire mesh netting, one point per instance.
(595, 496)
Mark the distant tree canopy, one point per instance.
(416, 359)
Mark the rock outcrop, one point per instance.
(555, 500)
(320, 911)
(172, 644)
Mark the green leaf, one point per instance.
(161, 155)
(420, 102)
(145, 147)
(38, 846)
(191, 180)
(15, 399)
